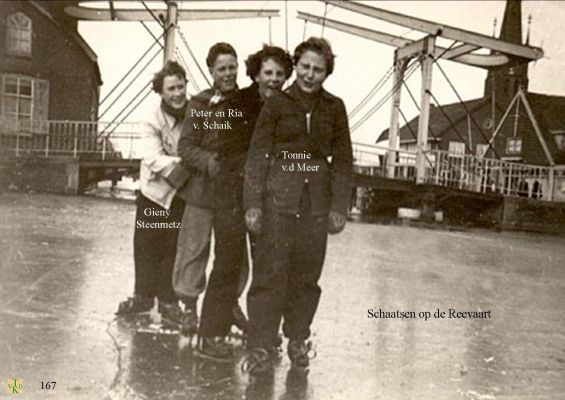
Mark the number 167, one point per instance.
(48, 385)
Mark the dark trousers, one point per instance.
(154, 249)
(287, 265)
(222, 291)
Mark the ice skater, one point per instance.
(159, 209)
(297, 190)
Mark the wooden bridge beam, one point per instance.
(446, 31)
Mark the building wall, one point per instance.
(57, 58)
(531, 152)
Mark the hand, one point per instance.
(213, 166)
(253, 218)
(336, 222)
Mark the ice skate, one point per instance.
(300, 353)
(259, 360)
(171, 315)
(213, 348)
(135, 305)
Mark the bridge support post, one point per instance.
(426, 59)
(399, 69)
(170, 26)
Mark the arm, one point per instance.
(157, 159)
(152, 150)
(189, 146)
(342, 163)
(258, 157)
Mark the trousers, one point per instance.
(288, 259)
(193, 252)
(154, 248)
(230, 257)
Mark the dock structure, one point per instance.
(66, 156)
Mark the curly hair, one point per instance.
(254, 61)
(169, 69)
(317, 45)
(218, 49)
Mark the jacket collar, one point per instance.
(295, 92)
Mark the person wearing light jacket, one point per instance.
(159, 209)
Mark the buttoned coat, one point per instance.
(210, 130)
(320, 135)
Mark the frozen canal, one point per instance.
(66, 262)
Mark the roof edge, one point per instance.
(76, 36)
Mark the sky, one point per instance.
(360, 63)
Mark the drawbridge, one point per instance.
(109, 150)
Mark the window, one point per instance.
(18, 35)
(559, 137)
(456, 148)
(17, 97)
(513, 145)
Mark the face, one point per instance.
(311, 71)
(270, 78)
(224, 72)
(174, 91)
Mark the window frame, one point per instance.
(456, 148)
(18, 96)
(514, 145)
(19, 35)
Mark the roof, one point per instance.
(550, 116)
(438, 121)
(74, 35)
(548, 112)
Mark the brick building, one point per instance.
(47, 70)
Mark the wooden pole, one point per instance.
(393, 142)
(424, 120)
(170, 26)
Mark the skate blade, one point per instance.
(156, 329)
(197, 353)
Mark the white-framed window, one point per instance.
(456, 148)
(17, 97)
(513, 145)
(482, 150)
(24, 98)
(18, 34)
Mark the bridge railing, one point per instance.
(373, 160)
(77, 139)
(485, 175)
(464, 171)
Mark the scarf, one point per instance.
(177, 114)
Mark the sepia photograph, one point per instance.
(282, 200)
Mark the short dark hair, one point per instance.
(218, 49)
(170, 68)
(317, 45)
(280, 56)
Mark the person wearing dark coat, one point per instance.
(214, 198)
(296, 191)
(213, 145)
